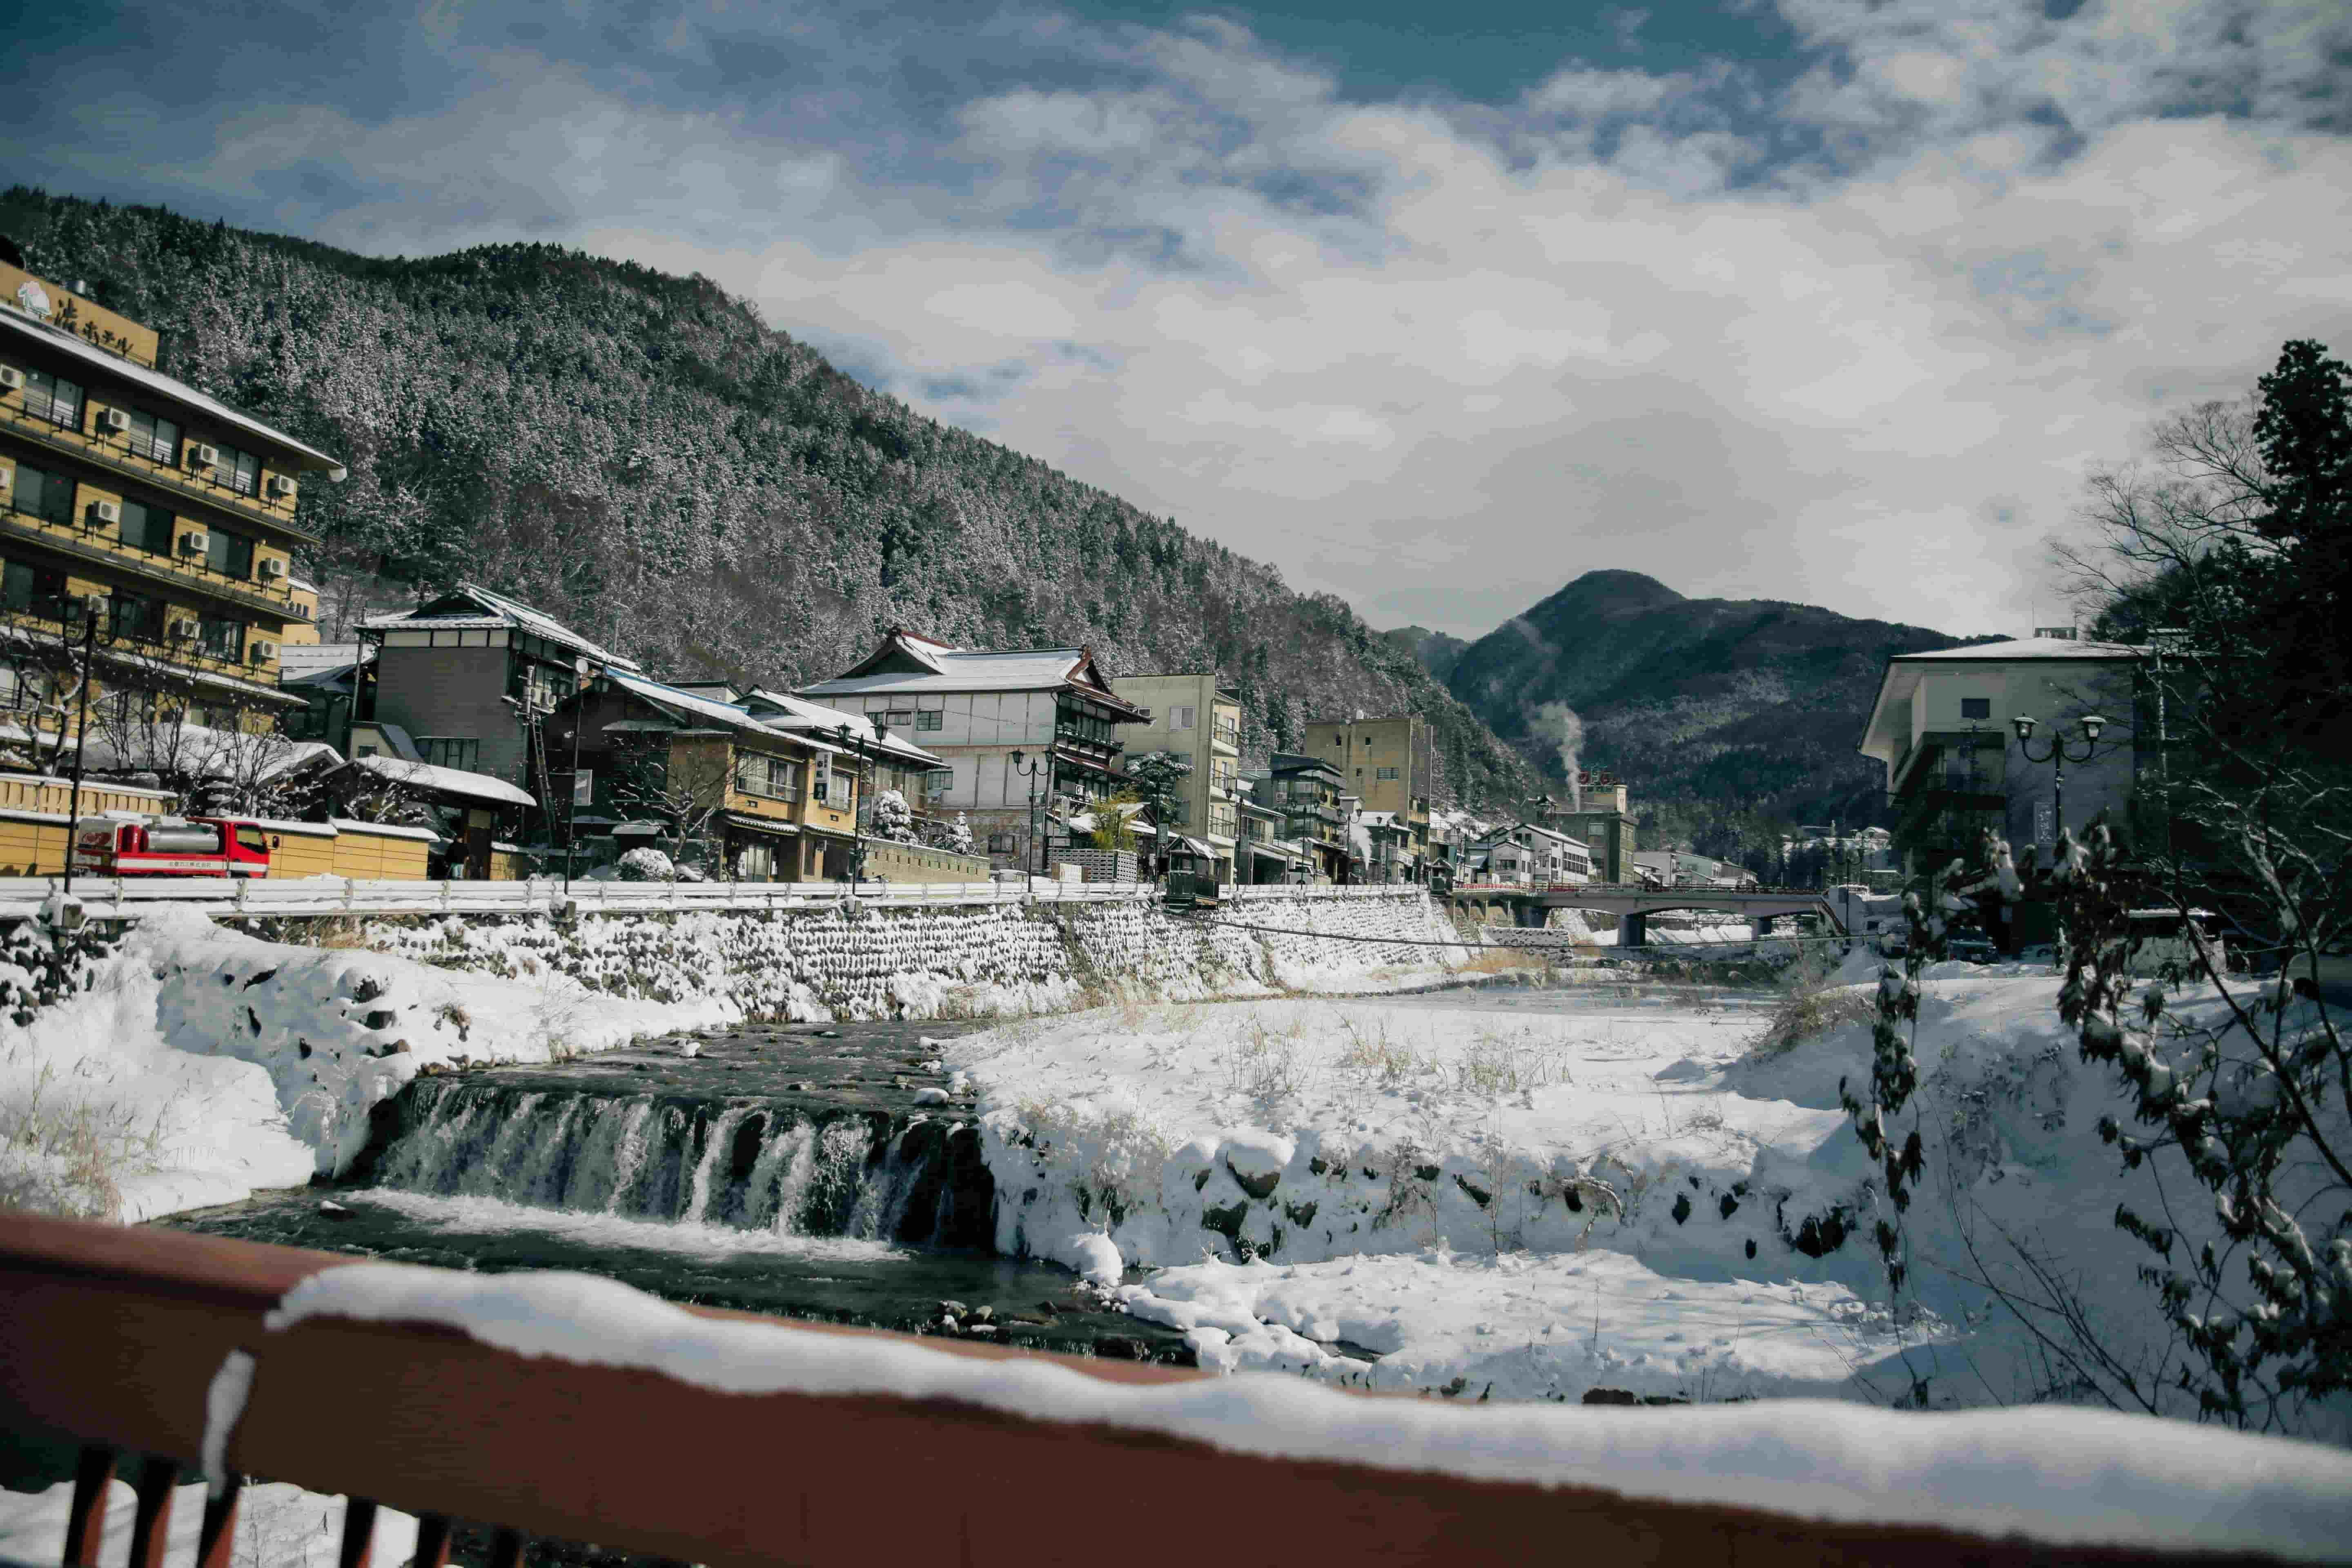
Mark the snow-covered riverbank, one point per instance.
(1537, 1202)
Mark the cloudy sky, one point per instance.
(1433, 307)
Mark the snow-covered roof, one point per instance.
(784, 710)
(2024, 648)
(305, 457)
(492, 611)
(909, 662)
(730, 717)
(444, 781)
(298, 662)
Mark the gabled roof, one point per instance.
(911, 662)
(289, 452)
(472, 608)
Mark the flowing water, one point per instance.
(783, 1169)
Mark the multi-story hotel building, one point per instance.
(134, 497)
(1194, 719)
(1390, 762)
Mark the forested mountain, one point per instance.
(642, 456)
(1726, 708)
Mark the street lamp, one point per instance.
(1032, 767)
(89, 613)
(855, 745)
(2058, 755)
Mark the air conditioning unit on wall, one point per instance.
(282, 486)
(195, 542)
(272, 567)
(113, 421)
(105, 511)
(11, 378)
(263, 650)
(202, 457)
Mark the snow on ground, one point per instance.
(204, 1063)
(278, 1526)
(1573, 1194)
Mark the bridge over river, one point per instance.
(1633, 904)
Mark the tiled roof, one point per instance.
(495, 610)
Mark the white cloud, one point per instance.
(1440, 358)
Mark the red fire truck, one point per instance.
(171, 846)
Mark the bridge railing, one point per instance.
(723, 1438)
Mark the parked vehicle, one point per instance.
(121, 845)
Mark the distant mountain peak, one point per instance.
(1612, 592)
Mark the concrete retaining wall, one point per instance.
(950, 960)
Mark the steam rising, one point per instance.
(1557, 723)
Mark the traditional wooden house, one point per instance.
(1020, 734)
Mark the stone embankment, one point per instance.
(955, 961)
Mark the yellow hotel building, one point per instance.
(131, 495)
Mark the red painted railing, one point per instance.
(111, 1337)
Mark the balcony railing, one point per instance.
(102, 449)
(87, 543)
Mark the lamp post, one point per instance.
(855, 744)
(1029, 769)
(81, 735)
(2057, 754)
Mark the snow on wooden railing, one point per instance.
(526, 1402)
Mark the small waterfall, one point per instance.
(750, 1164)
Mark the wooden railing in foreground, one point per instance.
(111, 1337)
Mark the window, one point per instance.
(1181, 718)
(240, 471)
(147, 528)
(1000, 844)
(1384, 772)
(22, 688)
(53, 398)
(930, 719)
(777, 777)
(251, 840)
(221, 639)
(44, 495)
(153, 439)
(1976, 707)
(538, 685)
(229, 555)
(136, 616)
(452, 751)
(34, 590)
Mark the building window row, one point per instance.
(49, 496)
(66, 404)
(464, 751)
